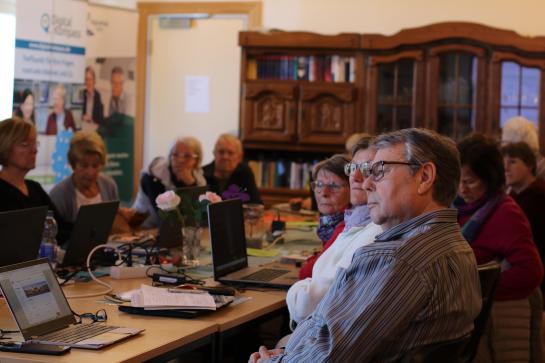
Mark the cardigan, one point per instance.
(63, 195)
(304, 295)
(506, 236)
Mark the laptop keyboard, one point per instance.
(76, 333)
(266, 274)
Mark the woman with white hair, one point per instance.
(182, 168)
(520, 129)
(61, 118)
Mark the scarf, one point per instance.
(479, 211)
(359, 216)
(328, 223)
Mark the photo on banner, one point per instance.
(49, 66)
(114, 87)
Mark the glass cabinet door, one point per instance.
(457, 94)
(392, 102)
(519, 92)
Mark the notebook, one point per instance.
(41, 311)
(92, 227)
(21, 230)
(229, 258)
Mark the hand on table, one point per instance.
(264, 353)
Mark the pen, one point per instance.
(189, 291)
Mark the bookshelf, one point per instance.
(299, 103)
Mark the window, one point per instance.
(519, 92)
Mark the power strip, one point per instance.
(125, 272)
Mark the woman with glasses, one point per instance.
(86, 185)
(497, 229)
(18, 149)
(332, 193)
(181, 169)
(357, 231)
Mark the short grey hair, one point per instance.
(364, 142)
(334, 164)
(520, 129)
(231, 139)
(423, 146)
(191, 142)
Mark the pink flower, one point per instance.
(210, 196)
(167, 201)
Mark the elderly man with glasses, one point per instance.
(417, 283)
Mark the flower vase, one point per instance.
(191, 247)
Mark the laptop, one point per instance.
(21, 232)
(41, 311)
(229, 258)
(92, 228)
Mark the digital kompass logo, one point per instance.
(59, 25)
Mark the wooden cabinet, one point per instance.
(303, 94)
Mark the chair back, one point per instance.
(444, 352)
(489, 275)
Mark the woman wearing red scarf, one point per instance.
(332, 193)
(497, 229)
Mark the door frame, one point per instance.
(146, 9)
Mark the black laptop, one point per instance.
(229, 258)
(20, 234)
(92, 228)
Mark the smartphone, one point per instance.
(34, 348)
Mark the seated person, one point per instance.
(416, 284)
(332, 193)
(304, 295)
(181, 169)
(520, 129)
(18, 149)
(497, 229)
(86, 185)
(227, 175)
(527, 190)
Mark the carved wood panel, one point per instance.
(327, 116)
(269, 113)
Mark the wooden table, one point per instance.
(164, 338)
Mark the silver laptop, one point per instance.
(42, 313)
(227, 238)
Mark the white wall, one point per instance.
(208, 49)
(389, 16)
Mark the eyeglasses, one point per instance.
(350, 168)
(184, 155)
(99, 316)
(377, 169)
(319, 186)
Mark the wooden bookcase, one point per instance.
(303, 94)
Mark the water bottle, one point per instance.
(48, 247)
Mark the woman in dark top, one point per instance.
(18, 149)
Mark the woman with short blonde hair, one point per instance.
(87, 184)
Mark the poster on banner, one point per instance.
(111, 53)
(48, 87)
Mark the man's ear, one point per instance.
(427, 173)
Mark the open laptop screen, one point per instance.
(35, 297)
(21, 233)
(227, 238)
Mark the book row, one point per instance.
(281, 173)
(322, 68)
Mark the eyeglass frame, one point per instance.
(184, 156)
(362, 167)
(376, 178)
(319, 186)
(100, 316)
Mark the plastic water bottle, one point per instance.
(48, 247)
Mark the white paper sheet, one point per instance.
(197, 94)
(150, 297)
